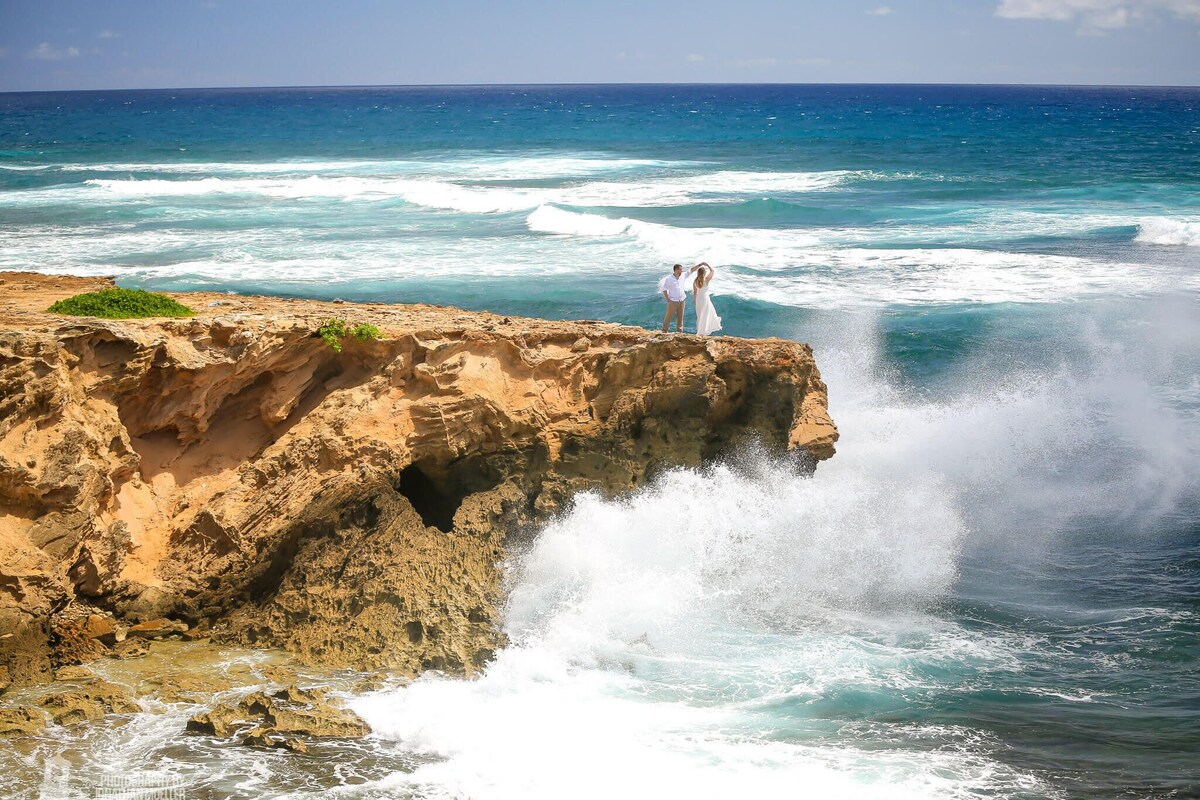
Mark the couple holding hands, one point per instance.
(674, 288)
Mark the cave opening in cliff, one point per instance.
(437, 490)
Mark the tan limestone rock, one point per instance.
(89, 702)
(104, 628)
(157, 629)
(21, 722)
(74, 674)
(351, 507)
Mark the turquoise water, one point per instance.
(991, 591)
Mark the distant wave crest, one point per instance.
(1168, 231)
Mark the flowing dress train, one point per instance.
(707, 320)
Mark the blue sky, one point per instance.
(97, 44)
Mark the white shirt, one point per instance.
(674, 287)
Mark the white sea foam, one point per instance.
(800, 268)
(548, 219)
(702, 633)
(1169, 231)
(494, 167)
(468, 198)
(776, 267)
(979, 225)
(628, 617)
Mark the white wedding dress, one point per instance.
(707, 320)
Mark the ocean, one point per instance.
(992, 590)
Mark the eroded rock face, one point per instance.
(282, 719)
(351, 507)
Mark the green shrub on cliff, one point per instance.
(117, 303)
(334, 330)
(363, 331)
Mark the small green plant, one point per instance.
(118, 303)
(334, 330)
(363, 331)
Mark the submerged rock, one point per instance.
(90, 702)
(185, 687)
(265, 737)
(75, 674)
(130, 648)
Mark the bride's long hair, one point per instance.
(701, 280)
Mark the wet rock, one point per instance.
(130, 648)
(157, 629)
(17, 723)
(266, 737)
(255, 705)
(69, 708)
(371, 683)
(186, 687)
(276, 719)
(174, 696)
(220, 722)
(320, 720)
(75, 674)
(90, 702)
(261, 737)
(295, 745)
(277, 674)
(293, 694)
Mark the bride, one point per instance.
(707, 320)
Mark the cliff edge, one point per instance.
(232, 470)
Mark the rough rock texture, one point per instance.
(232, 470)
(90, 701)
(21, 723)
(277, 720)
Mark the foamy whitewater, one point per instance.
(991, 590)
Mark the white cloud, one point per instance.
(695, 57)
(1096, 16)
(44, 52)
(880, 11)
(107, 34)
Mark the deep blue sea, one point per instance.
(993, 590)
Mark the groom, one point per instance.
(673, 291)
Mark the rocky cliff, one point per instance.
(233, 470)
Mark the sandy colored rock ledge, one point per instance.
(231, 470)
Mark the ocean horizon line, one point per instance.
(600, 84)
